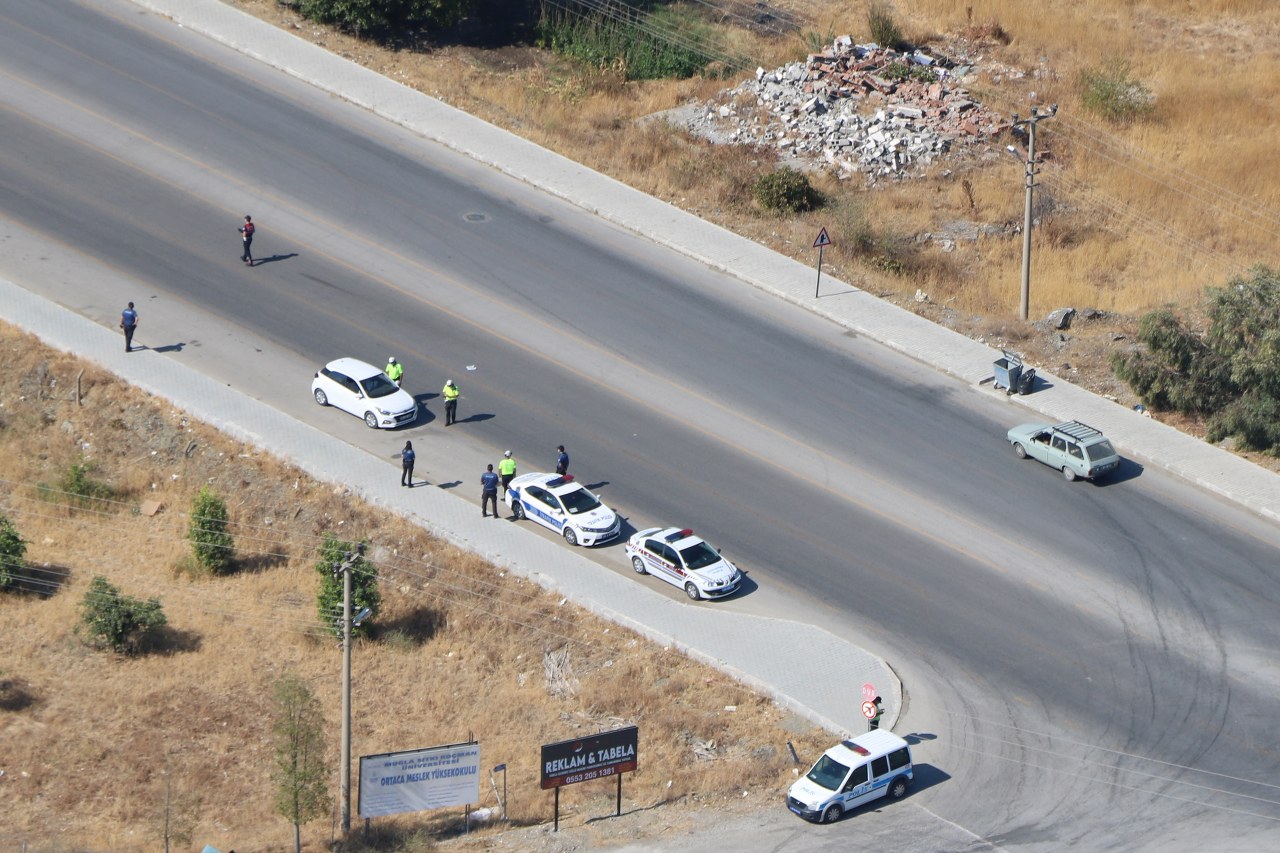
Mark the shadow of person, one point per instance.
(171, 347)
(257, 262)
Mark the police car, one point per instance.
(563, 506)
(684, 560)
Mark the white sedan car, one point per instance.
(563, 506)
(364, 391)
(684, 560)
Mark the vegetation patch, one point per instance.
(1229, 374)
(667, 42)
(1111, 92)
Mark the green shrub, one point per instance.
(1229, 374)
(899, 71)
(785, 191)
(77, 487)
(211, 544)
(381, 16)
(117, 622)
(883, 27)
(13, 553)
(334, 552)
(665, 43)
(1111, 92)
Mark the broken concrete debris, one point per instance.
(860, 108)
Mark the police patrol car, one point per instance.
(856, 771)
(682, 559)
(563, 506)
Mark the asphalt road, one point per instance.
(1088, 665)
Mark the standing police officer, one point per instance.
(489, 491)
(450, 393)
(507, 468)
(128, 322)
(394, 370)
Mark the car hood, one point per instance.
(400, 401)
(810, 794)
(721, 572)
(601, 516)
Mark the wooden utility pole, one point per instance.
(1030, 173)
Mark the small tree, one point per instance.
(118, 622)
(13, 553)
(212, 545)
(1229, 374)
(334, 553)
(301, 792)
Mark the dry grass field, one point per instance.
(96, 744)
(1132, 215)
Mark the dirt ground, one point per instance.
(101, 750)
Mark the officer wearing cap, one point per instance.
(450, 393)
(507, 470)
(394, 370)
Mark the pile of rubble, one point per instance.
(859, 107)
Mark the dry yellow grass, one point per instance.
(1141, 215)
(92, 740)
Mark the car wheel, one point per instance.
(1068, 473)
(321, 398)
(638, 565)
(898, 788)
(517, 509)
(371, 420)
(1019, 451)
(569, 535)
(832, 814)
(692, 591)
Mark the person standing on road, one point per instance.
(874, 722)
(128, 322)
(394, 370)
(246, 232)
(507, 468)
(407, 457)
(488, 491)
(562, 461)
(450, 393)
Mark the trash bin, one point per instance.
(1027, 381)
(1008, 371)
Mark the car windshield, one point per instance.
(378, 385)
(699, 556)
(578, 501)
(828, 773)
(1101, 450)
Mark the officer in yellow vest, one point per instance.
(506, 470)
(451, 393)
(394, 370)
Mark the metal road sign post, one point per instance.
(820, 243)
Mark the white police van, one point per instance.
(851, 773)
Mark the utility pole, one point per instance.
(1031, 163)
(344, 784)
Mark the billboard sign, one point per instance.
(594, 757)
(420, 779)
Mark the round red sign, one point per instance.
(869, 710)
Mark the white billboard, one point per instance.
(397, 782)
